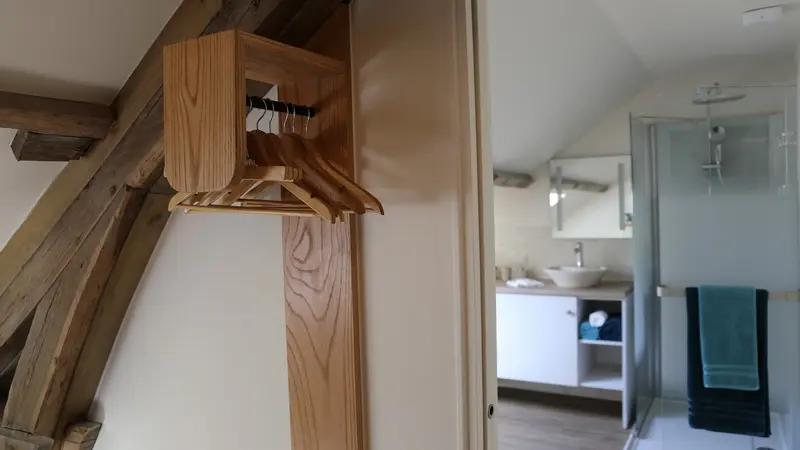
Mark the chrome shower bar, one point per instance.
(680, 292)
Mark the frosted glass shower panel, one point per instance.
(734, 225)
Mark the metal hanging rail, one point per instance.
(272, 105)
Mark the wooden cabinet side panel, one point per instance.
(204, 113)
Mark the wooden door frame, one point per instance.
(479, 348)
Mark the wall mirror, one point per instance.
(591, 198)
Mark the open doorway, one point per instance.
(595, 113)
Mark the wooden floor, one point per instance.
(534, 421)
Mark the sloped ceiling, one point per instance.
(76, 49)
(670, 34)
(557, 67)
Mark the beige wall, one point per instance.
(408, 137)
(201, 362)
(522, 216)
(21, 184)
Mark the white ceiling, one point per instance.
(557, 67)
(554, 68)
(668, 34)
(76, 49)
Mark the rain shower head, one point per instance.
(712, 95)
(718, 99)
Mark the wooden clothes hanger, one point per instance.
(266, 150)
(304, 153)
(293, 162)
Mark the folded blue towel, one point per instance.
(725, 410)
(588, 332)
(612, 330)
(728, 339)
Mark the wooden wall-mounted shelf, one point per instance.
(217, 166)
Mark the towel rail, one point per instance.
(675, 292)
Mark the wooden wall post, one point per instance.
(320, 269)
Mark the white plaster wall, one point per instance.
(200, 361)
(21, 185)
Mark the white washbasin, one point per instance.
(576, 277)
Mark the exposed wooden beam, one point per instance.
(53, 116)
(119, 290)
(62, 320)
(310, 16)
(58, 224)
(9, 353)
(81, 436)
(139, 111)
(17, 440)
(31, 284)
(32, 146)
(292, 23)
(137, 98)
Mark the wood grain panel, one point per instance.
(9, 353)
(17, 440)
(46, 265)
(204, 123)
(537, 421)
(320, 268)
(61, 323)
(272, 62)
(117, 295)
(81, 436)
(53, 116)
(31, 146)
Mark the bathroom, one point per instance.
(687, 178)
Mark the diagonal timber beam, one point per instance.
(113, 305)
(10, 352)
(17, 440)
(137, 98)
(59, 223)
(53, 116)
(62, 321)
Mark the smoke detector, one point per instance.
(768, 14)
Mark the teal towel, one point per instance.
(588, 332)
(728, 337)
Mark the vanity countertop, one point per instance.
(607, 290)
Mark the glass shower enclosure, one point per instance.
(716, 201)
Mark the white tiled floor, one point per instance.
(669, 430)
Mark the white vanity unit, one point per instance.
(538, 347)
